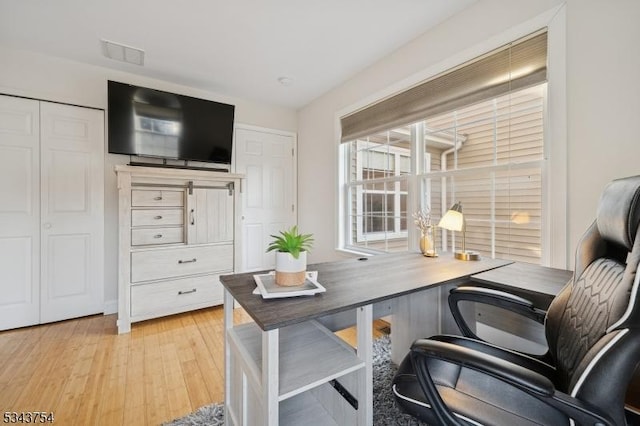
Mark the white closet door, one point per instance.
(72, 200)
(19, 213)
(269, 192)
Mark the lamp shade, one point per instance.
(453, 220)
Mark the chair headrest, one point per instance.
(619, 211)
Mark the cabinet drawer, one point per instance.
(169, 297)
(181, 261)
(157, 217)
(146, 236)
(156, 197)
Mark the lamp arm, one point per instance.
(464, 235)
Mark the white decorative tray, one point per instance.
(267, 287)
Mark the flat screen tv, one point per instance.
(151, 123)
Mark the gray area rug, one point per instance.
(385, 411)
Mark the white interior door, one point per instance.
(72, 203)
(267, 159)
(19, 212)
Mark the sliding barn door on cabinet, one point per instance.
(51, 212)
(19, 212)
(72, 213)
(210, 215)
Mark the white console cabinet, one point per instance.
(178, 232)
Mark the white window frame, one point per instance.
(397, 152)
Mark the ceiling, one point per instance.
(237, 48)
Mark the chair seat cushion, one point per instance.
(472, 396)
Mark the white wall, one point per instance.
(447, 45)
(603, 89)
(44, 77)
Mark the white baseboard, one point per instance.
(110, 307)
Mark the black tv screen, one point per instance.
(151, 123)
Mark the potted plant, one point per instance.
(291, 249)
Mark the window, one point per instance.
(487, 154)
(379, 170)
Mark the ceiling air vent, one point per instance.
(122, 53)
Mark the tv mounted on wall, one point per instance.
(152, 123)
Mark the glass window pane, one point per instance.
(519, 214)
(520, 126)
(405, 164)
(374, 212)
(501, 130)
(403, 212)
(431, 198)
(475, 194)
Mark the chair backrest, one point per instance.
(592, 326)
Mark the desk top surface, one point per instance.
(539, 284)
(352, 283)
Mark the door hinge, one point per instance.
(293, 208)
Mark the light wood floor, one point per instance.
(87, 374)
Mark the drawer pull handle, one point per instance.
(157, 217)
(186, 292)
(158, 198)
(157, 236)
(187, 261)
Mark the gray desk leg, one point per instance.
(270, 376)
(414, 316)
(228, 324)
(447, 323)
(364, 320)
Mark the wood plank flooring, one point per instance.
(86, 374)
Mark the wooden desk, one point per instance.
(278, 370)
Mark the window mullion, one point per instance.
(492, 200)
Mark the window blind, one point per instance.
(515, 66)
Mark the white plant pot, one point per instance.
(289, 270)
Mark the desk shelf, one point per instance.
(309, 355)
(305, 409)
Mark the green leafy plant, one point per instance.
(291, 241)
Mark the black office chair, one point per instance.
(592, 331)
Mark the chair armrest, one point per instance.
(506, 371)
(528, 381)
(492, 297)
(539, 364)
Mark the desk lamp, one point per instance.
(453, 220)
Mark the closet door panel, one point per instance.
(19, 213)
(68, 254)
(17, 276)
(72, 150)
(69, 184)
